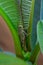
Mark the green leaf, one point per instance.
(34, 17)
(35, 53)
(26, 10)
(40, 34)
(26, 55)
(9, 12)
(29, 44)
(6, 59)
(10, 7)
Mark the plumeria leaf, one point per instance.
(40, 34)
